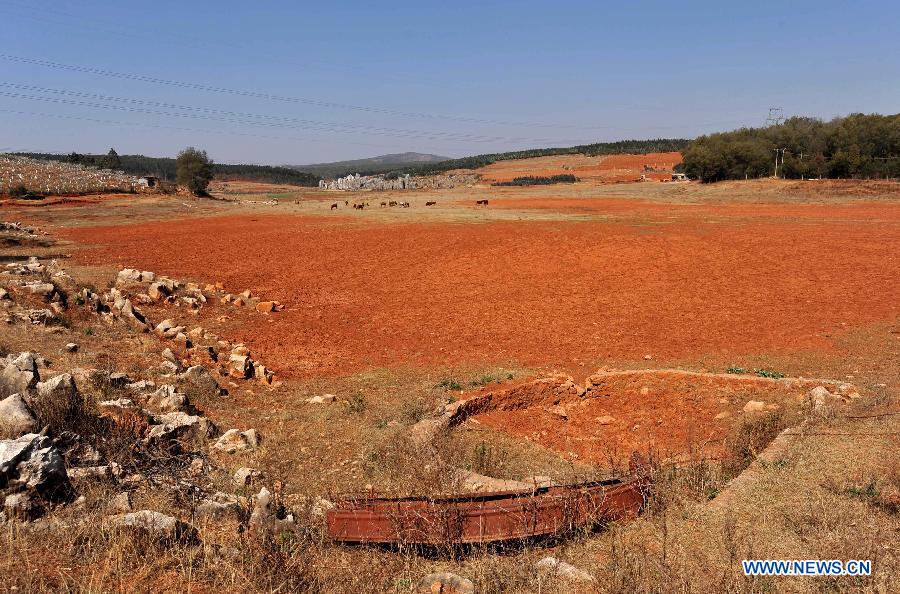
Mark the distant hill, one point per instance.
(372, 165)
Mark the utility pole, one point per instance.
(776, 159)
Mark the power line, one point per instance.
(281, 98)
(175, 128)
(776, 116)
(319, 103)
(319, 127)
(270, 120)
(110, 28)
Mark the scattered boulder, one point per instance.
(157, 526)
(605, 420)
(121, 503)
(240, 366)
(181, 426)
(323, 399)
(134, 317)
(59, 388)
(819, 398)
(235, 440)
(219, 506)
(40, 288)
(167, 399)
(445, 582)
(158, 291)
(71, 347)
(557, 411)
(244, 476)
(22, 506)
(261, 517)
(35, 462)
(754, 406)
(165, 326)
(90, 473)
(127, 275)
(199, 378)
(19, 375)
(168, 355)
(266, 307)
(16, 418)
(563, 569)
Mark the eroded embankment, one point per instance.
(661, 413)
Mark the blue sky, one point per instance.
(356, 79)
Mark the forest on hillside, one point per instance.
(164, 168)
(856, 146)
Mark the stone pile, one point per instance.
(40, 471)
(57, 177)
(367, 182)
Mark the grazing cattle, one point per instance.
(383, 204)
(481, 202)
(430, 203)
(404, 204)
(359, 206)
(334, 206)
(392, 203)
(346, 203)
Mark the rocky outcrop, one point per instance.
(19, 375)
(155, 526)
(33, 465)
(445, 583)
(16, 417)
(235, 440)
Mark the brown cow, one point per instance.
(481, 202)
(430, 203)
(334, 206)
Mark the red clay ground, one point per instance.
(606, 168)
(664, 415)
(685, 282)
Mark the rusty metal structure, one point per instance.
(482, 518)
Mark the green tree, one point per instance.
(194, 170)
(111, 160)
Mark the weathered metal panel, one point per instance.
(483, 518)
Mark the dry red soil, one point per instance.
(686, 281)
(670, 415)
(606, 168)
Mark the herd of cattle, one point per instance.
(392, 203)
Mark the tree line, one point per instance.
(538, 180)
(856, 146)
(166, 168)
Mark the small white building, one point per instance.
(148, 182)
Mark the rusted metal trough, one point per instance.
(481, 518)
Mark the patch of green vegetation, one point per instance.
(357, 403)
(485, 379)
(449, 384)
(88, 331)
(770, 373)
(869, 491)
(528, 180)
(737, 370)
